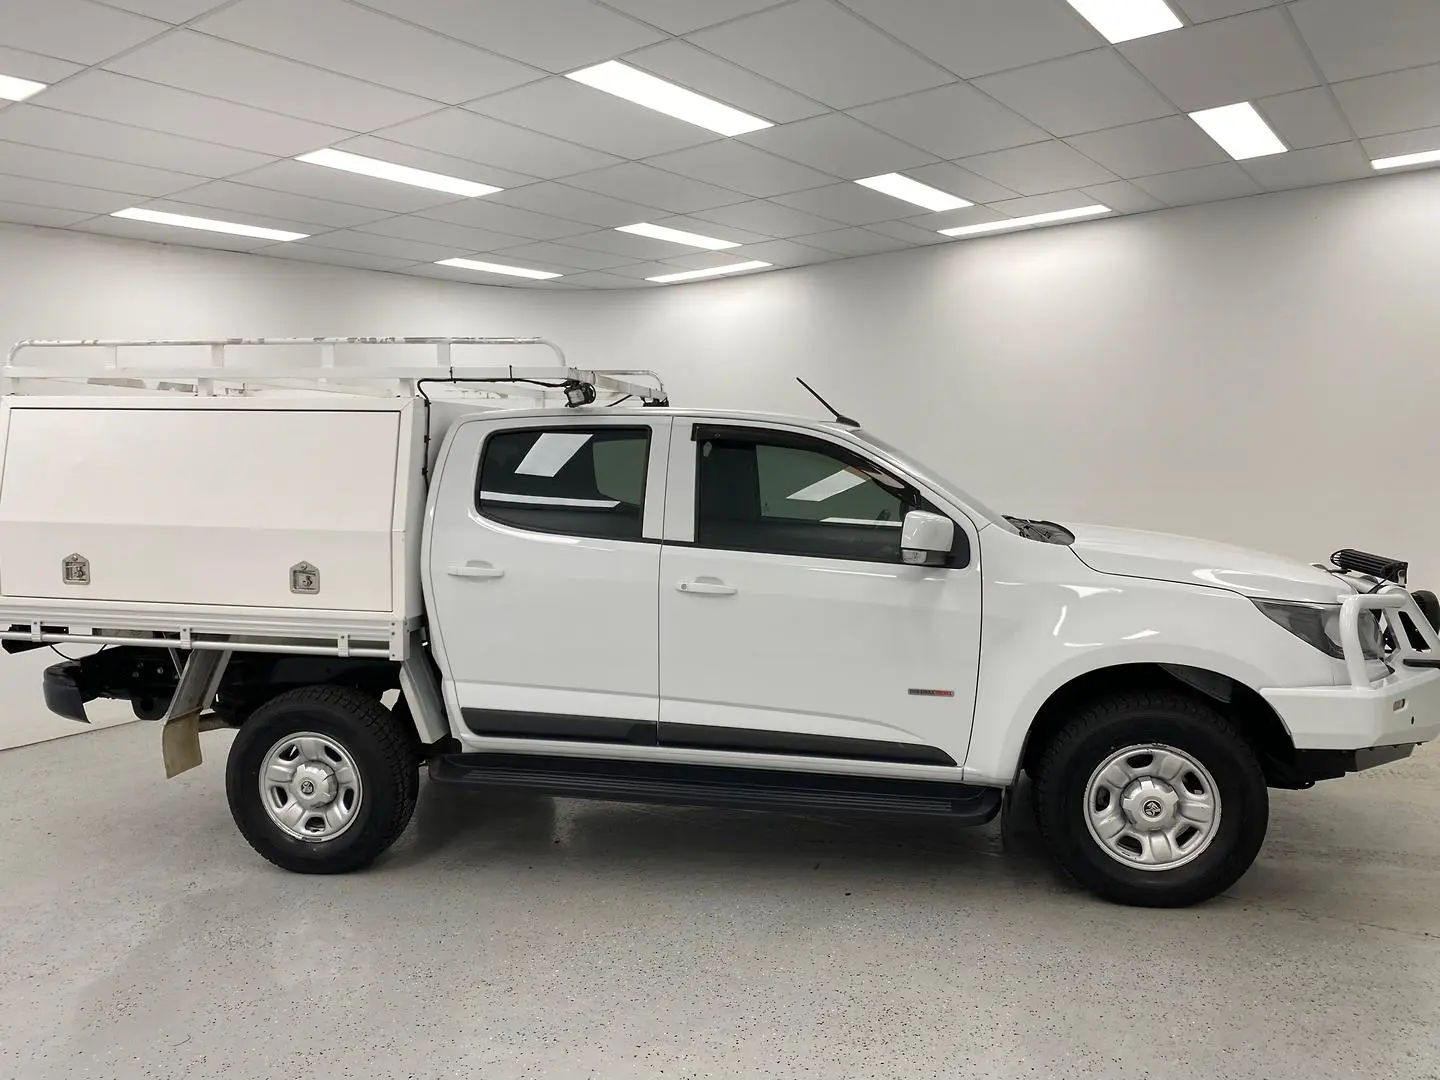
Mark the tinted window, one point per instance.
(566, 480)
(797, 497)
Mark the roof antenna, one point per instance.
(840, 418)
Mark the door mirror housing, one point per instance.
(926, 539)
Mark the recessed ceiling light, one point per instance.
(400, 174)
(1424, 157)
(1125, 20)
(632, 84)
(1239, 130)
(714, 271)
(498, 268)
(184, 221)
(677, 236)
(13, 89)
(1022, 222)
(912, 191)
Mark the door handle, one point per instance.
(476, 570)
(707, 587)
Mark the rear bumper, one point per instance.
(1400, 710)
(63, 695)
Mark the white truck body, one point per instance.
(668, 624)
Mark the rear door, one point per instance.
(541, 576)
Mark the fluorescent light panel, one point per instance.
(677, 236)
(912, 191)
(13, 89)
(400, 174)
(1126, 20)
(714, 271)
(184, 221)
(632, 84)
(1033, 219)
(498, 268)
(1424, 157)
(1240, 131)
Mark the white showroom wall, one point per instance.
(1259, 371)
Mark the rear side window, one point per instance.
(577, 481)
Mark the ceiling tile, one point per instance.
(355, 41)
(172, 11)
(40, 163)
(318, 182)
(168, 234)
(840, 146)
(628, 248)
(981, 36)
(709, 228)
(768, 219)
(951, 121)
(1385, 104)
(443, 233)
(594, 279)
(1318, 165)
(848, 203)
(184, 206)
(22, 189)
(1081, 93)
(1408, 142)
(163, 108)
(577, 258)
(242, 198)
(220, 69)
(855, 65)
(705, 73)
(854, 242)
(950, 219)
(683, 16)
(22, 214)
(650, 186)
(957, 181)
(73, 29)
(1123, 197)
(564, 201)
(333, 257)
(1305, 118)
(33, 66)
(119, 142)
(1222, 62)
(417, 158)
(1205, 10)
(640, 271)
(1206, 184)
(465, 134)
(706, 260)
(1039, 168)
(1350, 39)
(1169, 144)
(568, 110)
(485, 214)
(781, 253)
(1042, 204)
(912, 231)
(739, 167)
(389, 247)
(555, 35)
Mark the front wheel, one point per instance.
(321, 780)
(1153, 799)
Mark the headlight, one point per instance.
(1319, 625)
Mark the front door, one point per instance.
(788, 622)
(542, 574)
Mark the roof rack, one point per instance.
(558, 383)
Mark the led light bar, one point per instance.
(1126, 20)
(677, 236)
(1239, 130)
(184, 221)
(400, 174)
(1022, 222)
(498, 268)
(13, 89)
(912, 191)
(714, 271)
(632, 84)
(1424, 157)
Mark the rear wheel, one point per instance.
(321, 780)
(1152, 798)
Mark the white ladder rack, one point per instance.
(222, 375)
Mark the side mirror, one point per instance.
(926, 539)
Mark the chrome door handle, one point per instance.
(707, 587)
(476, 570)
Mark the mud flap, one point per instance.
(180, 738)
(180, 744)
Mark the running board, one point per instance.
(705, 785)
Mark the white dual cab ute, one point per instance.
(564, 585)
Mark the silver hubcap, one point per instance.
(1152, 807)
(310, 787)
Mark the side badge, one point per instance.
(304, 578)
(75, 570)
(917, 691)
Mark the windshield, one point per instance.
(911, 465)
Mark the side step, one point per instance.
(707, 785)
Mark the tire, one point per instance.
(1186, 867)
(373, 780)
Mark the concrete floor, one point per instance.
(511, 936)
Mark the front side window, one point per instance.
(566, 480)
(797, 496)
